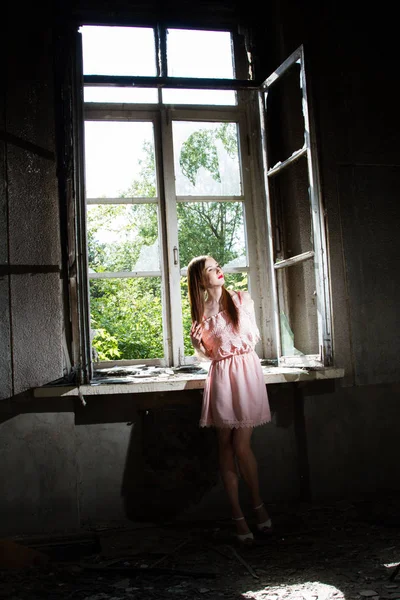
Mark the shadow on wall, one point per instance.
(25, 404)
(171, 463)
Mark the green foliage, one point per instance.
(209, 228)
(126, 313)
(105, 344)
(236, 281)
(127, 228)
(199, 151)
(227, 133)
(130, 311)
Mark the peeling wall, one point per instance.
(31, 299)
(5, 341)
(37, 339)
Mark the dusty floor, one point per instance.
(346, 550)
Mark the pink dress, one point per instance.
(235, 394)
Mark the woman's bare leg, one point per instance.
(229, 475)
(249, 469)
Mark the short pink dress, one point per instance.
(235, 394)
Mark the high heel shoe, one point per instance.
(266, 526)
(244, 538)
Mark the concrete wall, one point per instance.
(114, 460)
(138, 457)
(357, 118)
(352, 435)
(38, 467)
(31, 299)
(154, 462)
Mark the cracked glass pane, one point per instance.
(206, 159)
(123, 237)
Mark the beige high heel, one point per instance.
(266, 526)
(244, 538)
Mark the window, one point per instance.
(298, 249)
(177, 157)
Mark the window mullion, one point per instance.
(166, 300)
(172, 245)
(79, 278)
(250, 220)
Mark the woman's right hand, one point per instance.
(196, 331)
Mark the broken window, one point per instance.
(171, 172)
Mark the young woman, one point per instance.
(235, 398)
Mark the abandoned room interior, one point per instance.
(134, 136)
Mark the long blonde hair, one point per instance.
(195, 277)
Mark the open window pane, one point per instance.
(123, 237)
(126, 318)
(210, 97)
(291, 210)
(194, 53)
(119, 159)
(118, 51)
(296, 227)
(206, 159)
(120, 94)
(213, 228)
(298, 309)
(285, 119)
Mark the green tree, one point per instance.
(200, 150)
(116, 226)
(209, 228)
(128, 310)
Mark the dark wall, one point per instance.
(352, 64)
(31, 299)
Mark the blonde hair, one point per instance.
(195, 277)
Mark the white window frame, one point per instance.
(255, 173)
(170, 273)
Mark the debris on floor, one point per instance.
(331, 552)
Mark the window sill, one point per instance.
(178, 382)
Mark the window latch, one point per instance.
(175, 255)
